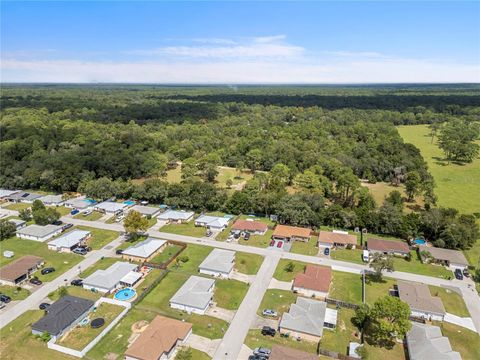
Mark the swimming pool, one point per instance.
(125, 294)
(420, 242)
(129, 202)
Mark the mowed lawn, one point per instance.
(278, 300)
(94, 216)
(465, 341)
(229, 294)
(456, 185)
(337, 340)
(60, 261)
(380, 190)
(255, 339)
(248, 263)
(346, 287)
(17, 206)
(16, 293)
(306, 248)
(375, 289)
(188, 229)
(100, 237)
(101, 264)
(281, 272)
(452, 301)
(166, 254)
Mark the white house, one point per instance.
(144, 250)
(194, 296)
(69, 241)
(38, 232)
(215, 223)
(421, 302)
(218, 263)
(24, 197)
(177, 216)
(110, 207)
(147, 211)
(53, 200)
(4, 193)
(106, 281)
(18, 223)
(79, 203)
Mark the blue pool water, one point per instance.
(420, 241)
(125, 294)
(91, 201)
(129, 202)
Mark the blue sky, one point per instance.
(240, 42)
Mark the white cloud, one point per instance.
(359, 54)
(268, 39)
(218, 41)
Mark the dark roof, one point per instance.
(285, 353)
(387, 245)
(62, 314)
(19, 267)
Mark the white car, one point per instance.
(88, 212)
(269, 312)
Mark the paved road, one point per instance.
(11, 313)
(246, 314)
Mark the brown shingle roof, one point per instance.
(337, 238)
(452, 256)
(291, 231)
(418, 297)
(387, 245)
(14, 270)
(285, 353)
(245, 225)
(159, 337)
(316, 278)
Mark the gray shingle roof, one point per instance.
(418, 297)
(25, 196)
(306, 316)
(425, 342)
(38, 230)
(70, 239)
(145, 210)
(194, 293)
(110, 206)
(62, 314)
(109, 278)
(219, 260)
(176, 215)
(452, 256)
(51, 199)
(144, 248)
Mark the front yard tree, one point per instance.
(7, 229)
(25, 214)
(43, 215)
(135, 222)
(381, 262)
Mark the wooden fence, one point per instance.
(164, 265)
(341, 303)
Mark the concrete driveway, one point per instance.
(220, 313)
(204, 344)
(281, 285)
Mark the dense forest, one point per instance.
(318, 140)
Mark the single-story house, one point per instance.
(144, 250)
(148, 211)
(110, 207)
(314, 282)
(79, 203)
(4, 193)
(216, 223)
(39, 232)
(194, 296)
(421, 302)
(69, 241)
(337, 238)
(18, 223)
(291, 233)
(252, 226)
(24, 197)
(177, 216)
(19, 270)
(62, 315)
(218, 263)
(118, 274)
(307, 318)
(389, 247)
(54, 200)
(451, 258)
(159, 340)
(426, 342)
(285, 353)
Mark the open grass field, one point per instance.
(247, 263)
(75, 291)
(17, 206)
(350, 255)
(306, 248)
(278, 300)
(166, 254)
(198, 355)
(377, 289)
(196, 254)
(465, 341)
(281, 272)
(60, 261)
(337, 340)
(14, 292)
(94, 216)
(417, 267)
(456, 185)
(256, 339)
(100, 237)
(346, 287)
(81, 336)
(188, 229)
(62, 210)
(452, 301)
(380, 191)
(229, 294)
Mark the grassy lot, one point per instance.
(196, 254)
(60, 261)
(75, 291)
(261, 241)
(452, 301)
(229, 294)
(111, 220)
(417, 267)
(278, 300)
(337, 340)
(199, 355)
(166, 254)
(380, 353)
(465, 341)
(100, 237)
(377, 289)
(18, 206)
(237, 177)
(101, 264)
(80, 336)
(256, 339)
(158, 301)
(352, 255)
(188, 229)
(16, 293)
(152, 221)
(248, 263)
(62, 210)
(94, 216)
(306, 248)
(19, 343)
(174, 175)
(283, 275)
(381, 190)
(346, 287)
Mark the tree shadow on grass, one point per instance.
(372, 278)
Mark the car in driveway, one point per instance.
(47, 270)
(236, 234)
(458, 274)
(88, 212)
(246, 236)
(262, 351)
(5, 298)
(44, 306)
(58, 223)
(326, 252)
(119, 252)
(269, 312)
(79, 251)
(257, 357)
(76, 282)
(272, 243)
(279, 244)
(74, 212)
(66, 227)
(466, 273)
(267, 330)
(35, 281)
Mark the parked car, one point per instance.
(458, 274)
(87, 248)
(119, 252)
(267, 330)
(326, 252)
(236, 234)
(466, 273)
(257, 357)
(269, 312)
(279, 244)
(47, 270)
(66, 226)
(76, 282)
(35, 281)
(58, 223)
(365, 256)
(79, 251)
(5, 298)
(88, 212)
(209, 233)
(262, 351)
(2, 305)
(74, 212)
(246, 236)
(272, 243)
(44, 306)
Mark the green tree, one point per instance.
(279, 176)
(289, 267)
(134, 222)
(395, 198)
(44, 216)
(457, 140)
(7, 229)
(25, 214)
(101, 189)
(184, 354)
(413, 185)
(37, 205)
(381, 262)
(189, 168)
